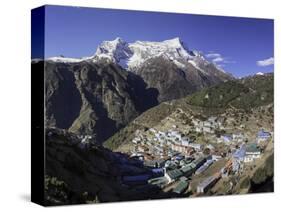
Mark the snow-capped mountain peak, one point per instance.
(173, 48)
(131, 56)
(260, 73)
(116, 50)
(110, 46)
(174, 42)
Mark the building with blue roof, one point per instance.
(263, 134)
(227, 138)
(157, 172)
(240, 153)
(238, 157)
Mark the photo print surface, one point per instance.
(148, 105)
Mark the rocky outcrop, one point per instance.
(94, 98)
(173, 82)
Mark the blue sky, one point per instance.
(237, 44)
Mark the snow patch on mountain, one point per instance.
(192, 62)
(65, 60)
(260, 73)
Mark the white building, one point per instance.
(208, 129)
(252, 153)
(207, 124)
(173, 175)
(185, 142)
(195, 146)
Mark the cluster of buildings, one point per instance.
(177, 171)
(186, 170)
(231, 138)
(208, 126)
(86, 141)
(176, 168)
(174, 158)
(163, 144)
(245, 154)
(184, 158)
(82, 141)
(249, 152)
(176, 140)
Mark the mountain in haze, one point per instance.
(102, 93)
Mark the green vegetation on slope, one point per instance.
(260, 92)
(242, 94)
(246, 93)
(217, 96)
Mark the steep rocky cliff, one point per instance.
(94, 98)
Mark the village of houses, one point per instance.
(182, 164)
(191, 158)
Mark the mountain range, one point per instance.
(102, 93)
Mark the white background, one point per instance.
(15, 103)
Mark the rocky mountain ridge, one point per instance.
(167, 65)
(98, 95)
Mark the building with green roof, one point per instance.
(173, 175)
(188, 169)
(181, 187)
(252, 152)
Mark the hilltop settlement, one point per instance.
(182, 162)
(187, 154)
